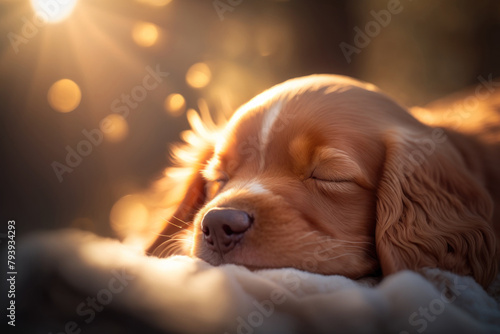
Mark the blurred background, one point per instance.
(93, 91)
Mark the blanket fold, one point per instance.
(76, 280)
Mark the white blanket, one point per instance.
(75, 280)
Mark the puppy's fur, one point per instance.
(337, 178)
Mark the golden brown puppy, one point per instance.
(326, 174)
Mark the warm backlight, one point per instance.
(145, 34)
(64, 95)
(128, 214)
(175, 104)
(198, 75)
(115, 128)
(53, 10)
(157, 3)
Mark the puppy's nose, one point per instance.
(223, 228)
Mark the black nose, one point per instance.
(223, 228)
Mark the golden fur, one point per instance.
(342, 180)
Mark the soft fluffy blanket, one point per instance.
(76, 282)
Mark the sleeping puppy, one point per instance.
(326, 174)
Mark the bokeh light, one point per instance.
(198, 75)
(53, 11)
(115, 128)
(64, 95)
(157, 3)
(128, 214)
(145, 34)
(175, 104)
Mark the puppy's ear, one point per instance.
(181, 193)
(431, 210)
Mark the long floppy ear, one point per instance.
(182, 190)
(431, 210)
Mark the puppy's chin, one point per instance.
(213, 258)
(353, 269)
(216, 259)
(241, 255)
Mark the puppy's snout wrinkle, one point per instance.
(223, 228)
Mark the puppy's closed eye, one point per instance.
(334, 165)
(215, 184)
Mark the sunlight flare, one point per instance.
(54, 10)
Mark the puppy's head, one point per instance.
(318, 174)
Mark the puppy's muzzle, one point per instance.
(223, 228)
